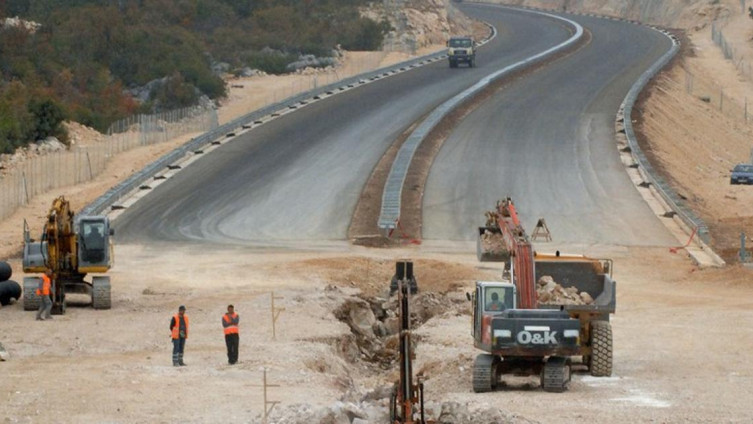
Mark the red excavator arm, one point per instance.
(518, 244)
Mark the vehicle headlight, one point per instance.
(571, 334)
(503, 334)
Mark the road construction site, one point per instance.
(265, 217)
(91, 366)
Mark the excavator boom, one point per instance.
(521, 251)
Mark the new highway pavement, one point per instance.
(547, 140)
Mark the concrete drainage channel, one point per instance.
(138, 185)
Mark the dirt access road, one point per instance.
(681, 341)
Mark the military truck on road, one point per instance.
(461, 49)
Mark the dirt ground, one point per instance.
(681, 334)
(681, 341)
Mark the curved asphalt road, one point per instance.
(299, 177)
(547, 141)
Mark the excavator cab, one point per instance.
(490, 298)
(93, 244)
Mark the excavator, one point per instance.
(71, 246)
(519, 335)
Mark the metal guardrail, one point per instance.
(393, 189)
(662, 187)
(107, 200)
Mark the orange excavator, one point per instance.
(519, 335)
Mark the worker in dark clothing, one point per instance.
(495, 304)
(179, 330)
(230, 325)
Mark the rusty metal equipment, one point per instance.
(407, 398)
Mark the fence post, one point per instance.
(721, 99)
(89, 162)
(26, 188)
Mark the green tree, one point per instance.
(47, 116)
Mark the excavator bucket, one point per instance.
(490, 245)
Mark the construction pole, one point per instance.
(275, 314)
(268, 404)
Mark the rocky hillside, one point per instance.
(420, 23)
(689, 14)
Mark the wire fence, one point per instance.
(39, 174)
(714, 93)
(729, 50)
(718, 97)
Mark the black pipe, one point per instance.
(5, 271)
(421, 395)
(9, 290)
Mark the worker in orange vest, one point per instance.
(179, 334)
(230, 325)
(44, 290)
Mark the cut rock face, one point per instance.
(375, 326)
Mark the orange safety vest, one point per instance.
(176, 329)
(44, 286)
(230, 329)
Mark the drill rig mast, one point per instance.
(408, 398)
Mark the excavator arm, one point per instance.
(516, 242)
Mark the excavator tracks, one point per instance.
(484, 373)
(101, 293)
(555, 377)
(31, 300)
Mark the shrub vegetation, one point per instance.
(79, 64)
